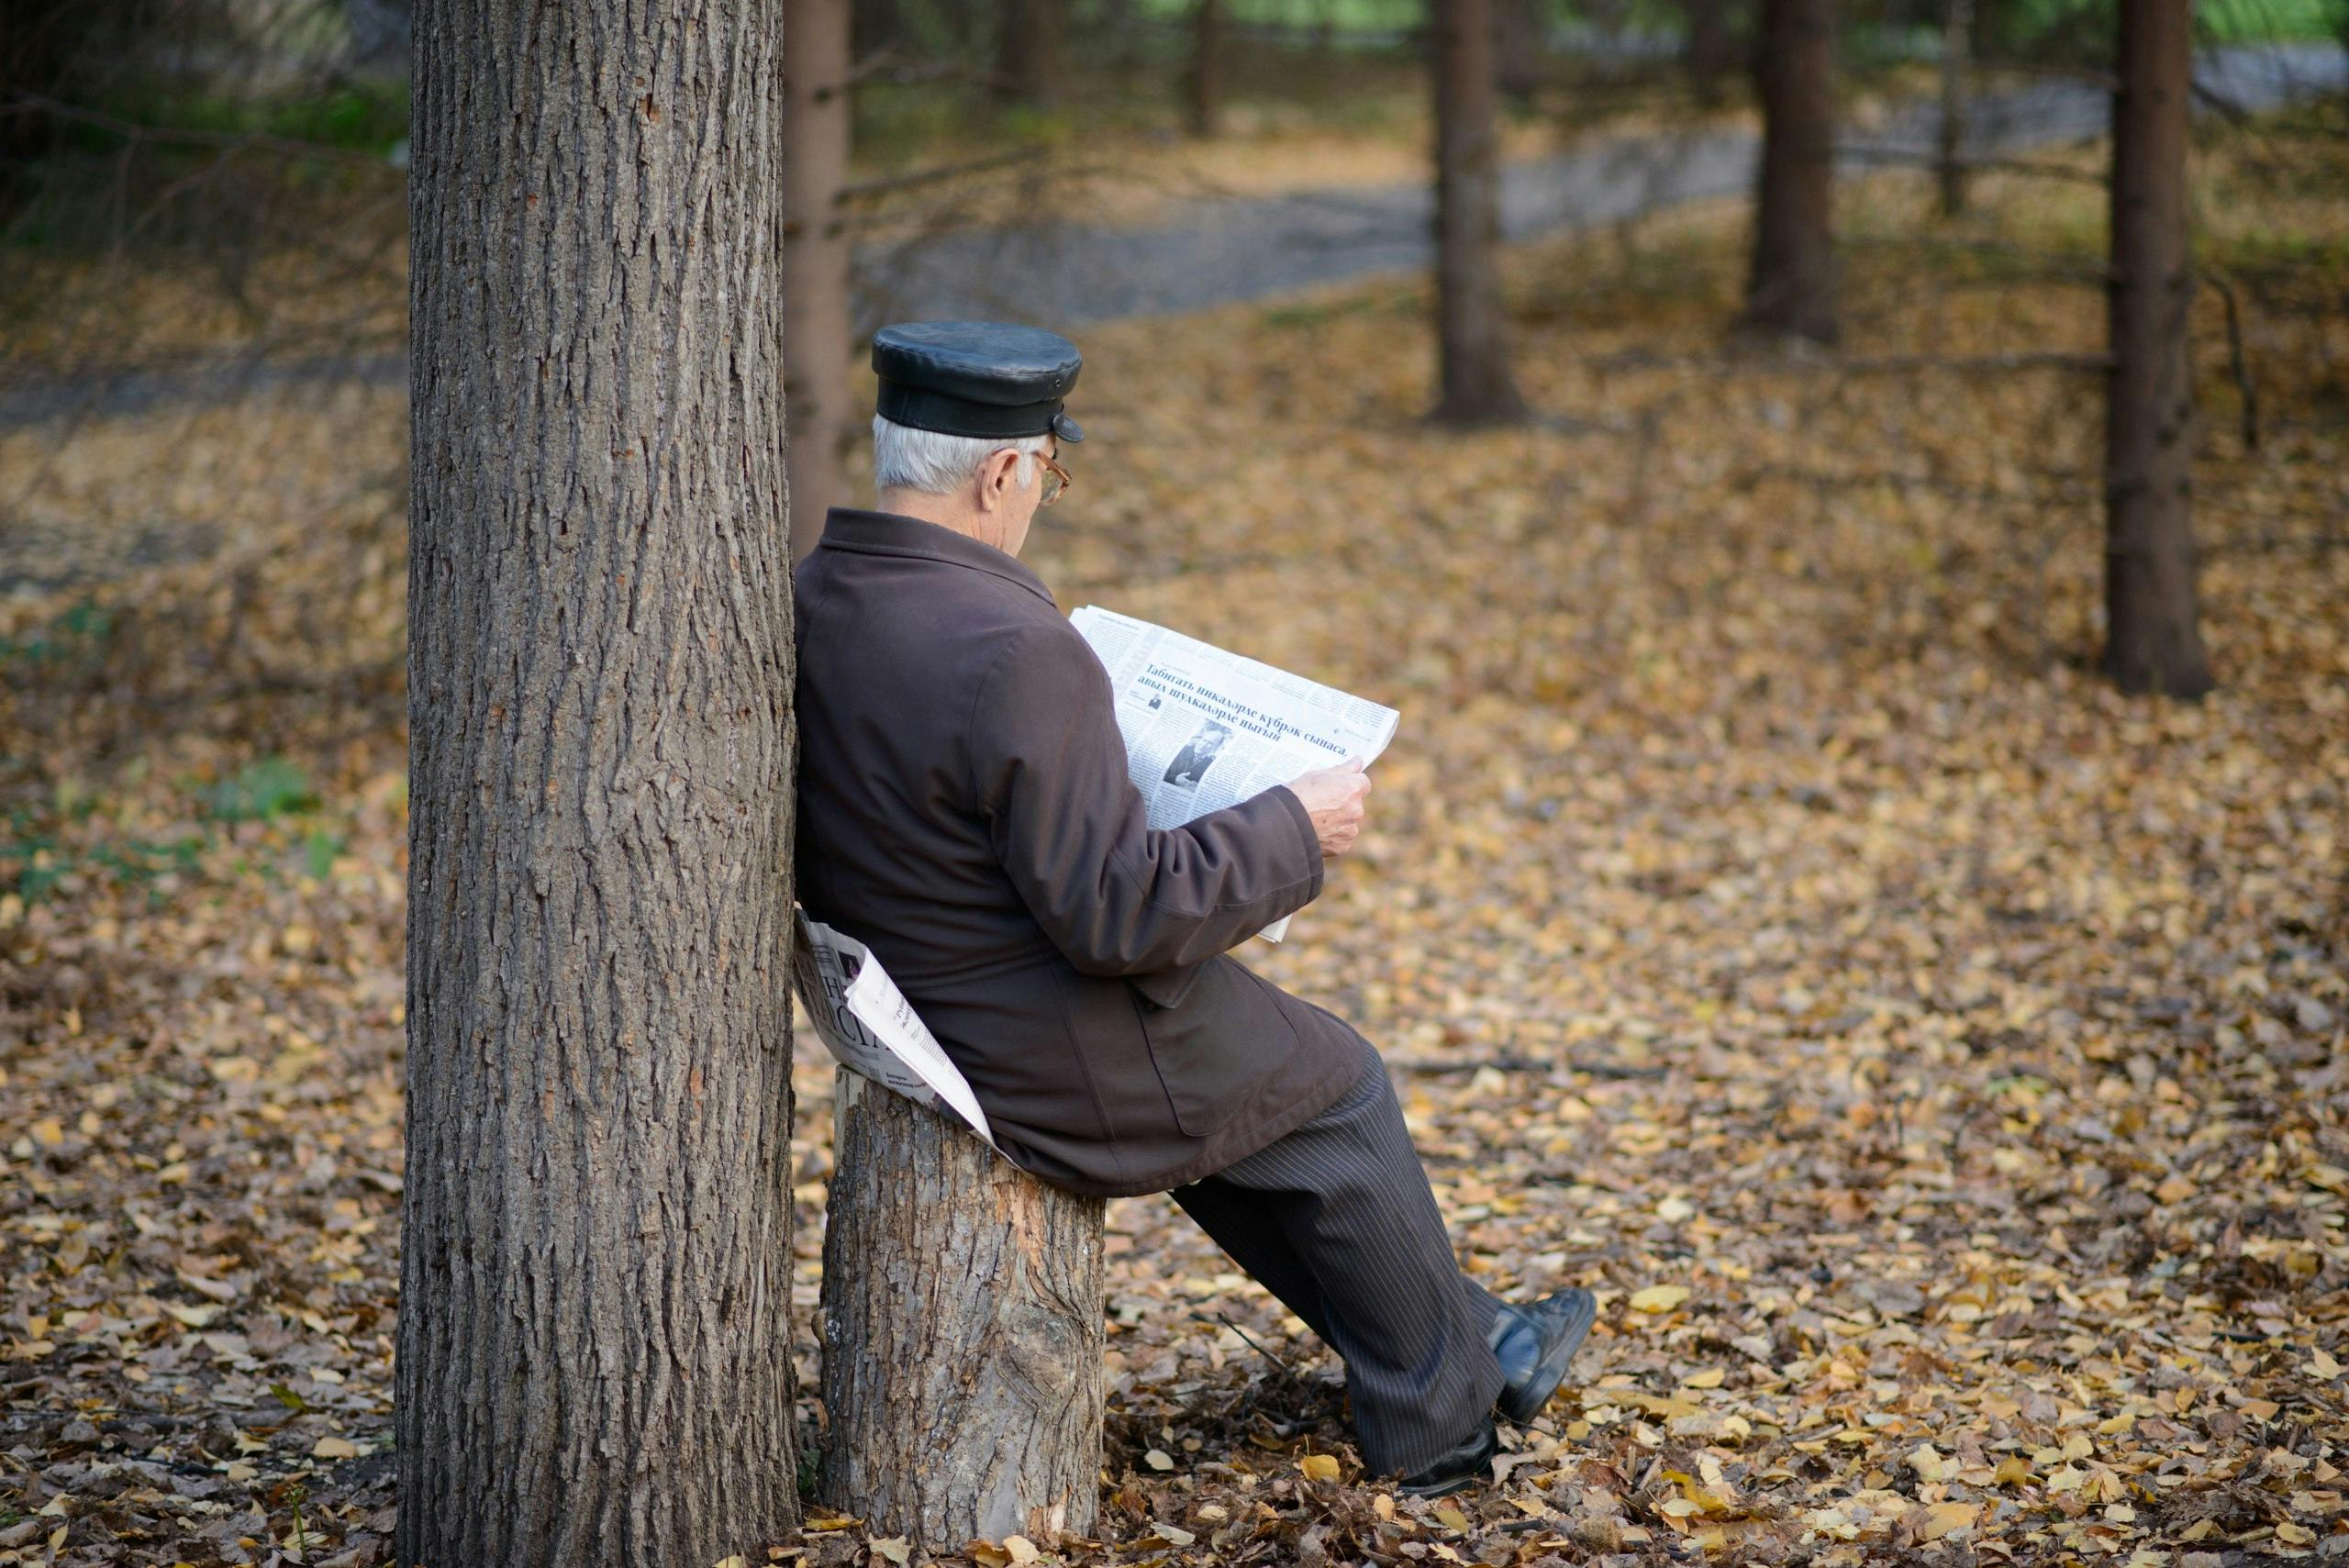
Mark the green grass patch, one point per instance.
(259, 792)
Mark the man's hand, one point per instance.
(1334, 798)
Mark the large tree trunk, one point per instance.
(595, 1344)
(2155, 641)
(1792, 286)
(1027, 63)
(1472, 319)
(816, 333)
(1203, 85)
(1957, 41)
(963, 1334)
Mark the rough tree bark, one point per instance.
(963, 1334)
(1957, 48)
(2154, 639)
(1472, 319)
(816, 333)
(1203, 84)
(1027, 64)
(1791, 288)
(594, 1346)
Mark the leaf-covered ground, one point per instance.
(1934, 1060)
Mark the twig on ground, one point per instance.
(1508, 1062)
(1250, 1339)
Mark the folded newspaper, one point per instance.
(1203, 727)
(870, 1028)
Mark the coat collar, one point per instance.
(866, 532)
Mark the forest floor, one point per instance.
(1934, 1060)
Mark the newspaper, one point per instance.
(870, 1028)
(1203, 727)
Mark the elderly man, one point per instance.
(964, 809)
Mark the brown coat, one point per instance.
(964, 809)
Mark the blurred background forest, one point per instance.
(1772, 897)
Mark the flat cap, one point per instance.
(976, 378)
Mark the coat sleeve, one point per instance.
(1068, 826)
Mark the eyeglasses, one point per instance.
(1056, 480)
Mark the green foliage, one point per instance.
(260, 791)
(319, 849)
(34, 861)
(353, 118)
(76, 636)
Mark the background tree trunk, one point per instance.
(1472, 319)
(815, 335)
(1027, 64)
(1957, 49)
(963, 1334)
(2155, 637)
(595, 1347)
(1524, 49)
(1708, 50)
(1203, 85)
(1792, 285)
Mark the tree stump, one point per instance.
(963, 1333)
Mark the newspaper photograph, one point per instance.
(870, 1028)
(1205, 727)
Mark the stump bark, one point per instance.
(963, 1334)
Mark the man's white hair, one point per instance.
(939, 464)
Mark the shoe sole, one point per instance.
(1446, 1488)
(1520, 1407)
(1475, 1474)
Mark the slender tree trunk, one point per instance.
(1709, 48)
(874, 26)
(1203, 85)
(1028, 67)
(963, 1334)
(2149, 592)
(1792, 286)
(1524, 46)
(1957, 40)
(1472, 319)
(816, 336)
(595, 1345)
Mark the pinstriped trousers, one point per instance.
(1337, 1219)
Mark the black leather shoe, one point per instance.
(1467, 1462)
(1534, 1344)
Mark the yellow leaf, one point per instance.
(1319, 1466)
(334, 1447)
(1452, 1518)
(1659, 1297)
(1947, 1519)
(1023, 1551)
(737, 1560)
(895, 1548)
(1158, 1459)
(1708, 1378)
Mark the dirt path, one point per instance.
(1212, 252)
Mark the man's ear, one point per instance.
(995, 478)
